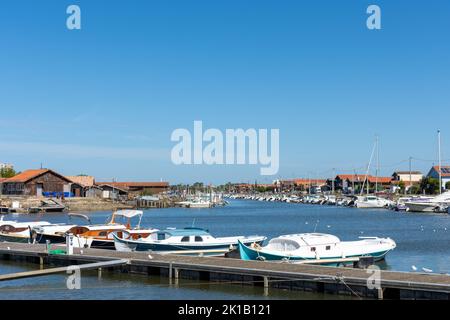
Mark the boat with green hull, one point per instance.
(321, 248)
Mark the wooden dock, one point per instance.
(300, 277)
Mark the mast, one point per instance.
(410, 176)
(440, 162)
(378, 163)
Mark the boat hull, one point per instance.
(14, 238)
(248, 253)
(208, 249)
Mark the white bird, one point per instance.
(150, 257)
(414, 268)
(427, 270)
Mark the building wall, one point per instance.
(414, 177)
(49, 182)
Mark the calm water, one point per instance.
(423, 240)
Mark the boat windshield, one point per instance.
(283, 245)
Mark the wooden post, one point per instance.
(170, 273)
(41, 263)
(177, 273)
(266, 286)
(99, 273)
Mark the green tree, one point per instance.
(429, 185)
(7, 173)
(401, 184)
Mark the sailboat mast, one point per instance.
(440, 161)
(378, 164)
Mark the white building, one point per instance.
(406, 176)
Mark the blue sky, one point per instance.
(104, 100)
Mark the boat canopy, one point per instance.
(129, 213)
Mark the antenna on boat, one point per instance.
(193, 223)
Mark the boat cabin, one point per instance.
(297, 241)
(182, 235)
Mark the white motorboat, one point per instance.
(372, 202)
(437, 203)
(13, 231)
(183, 241)
(320, 247)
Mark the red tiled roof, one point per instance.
(27, 175)
(136, 184)
(443, 174)
(380, 179)
(309, 181)
(352, 177)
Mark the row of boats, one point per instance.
(438, 204)
(118, 234)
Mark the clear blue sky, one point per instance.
(104, 100)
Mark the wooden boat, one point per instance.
(97, 236)
(179, 240)
(317, 246)
(13, 231)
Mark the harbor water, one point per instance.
(422, 242)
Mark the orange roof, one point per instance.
(27, 175)
(136, 184)
(445, 173)
(309, 181)
(380, 179)
(352, 177)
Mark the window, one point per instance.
(102, 234)
(162, 236)
(328, 248)
(313, 249)
(198, 239)
(185, 239)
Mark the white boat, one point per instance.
(200, 203)
(430, 205)
(188, 240)
(324, 248)
(372, 202)
(94, 236)
(13, 231)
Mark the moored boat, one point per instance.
(372, 202)
(12, 231)
(188, 240)
(324, 248)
